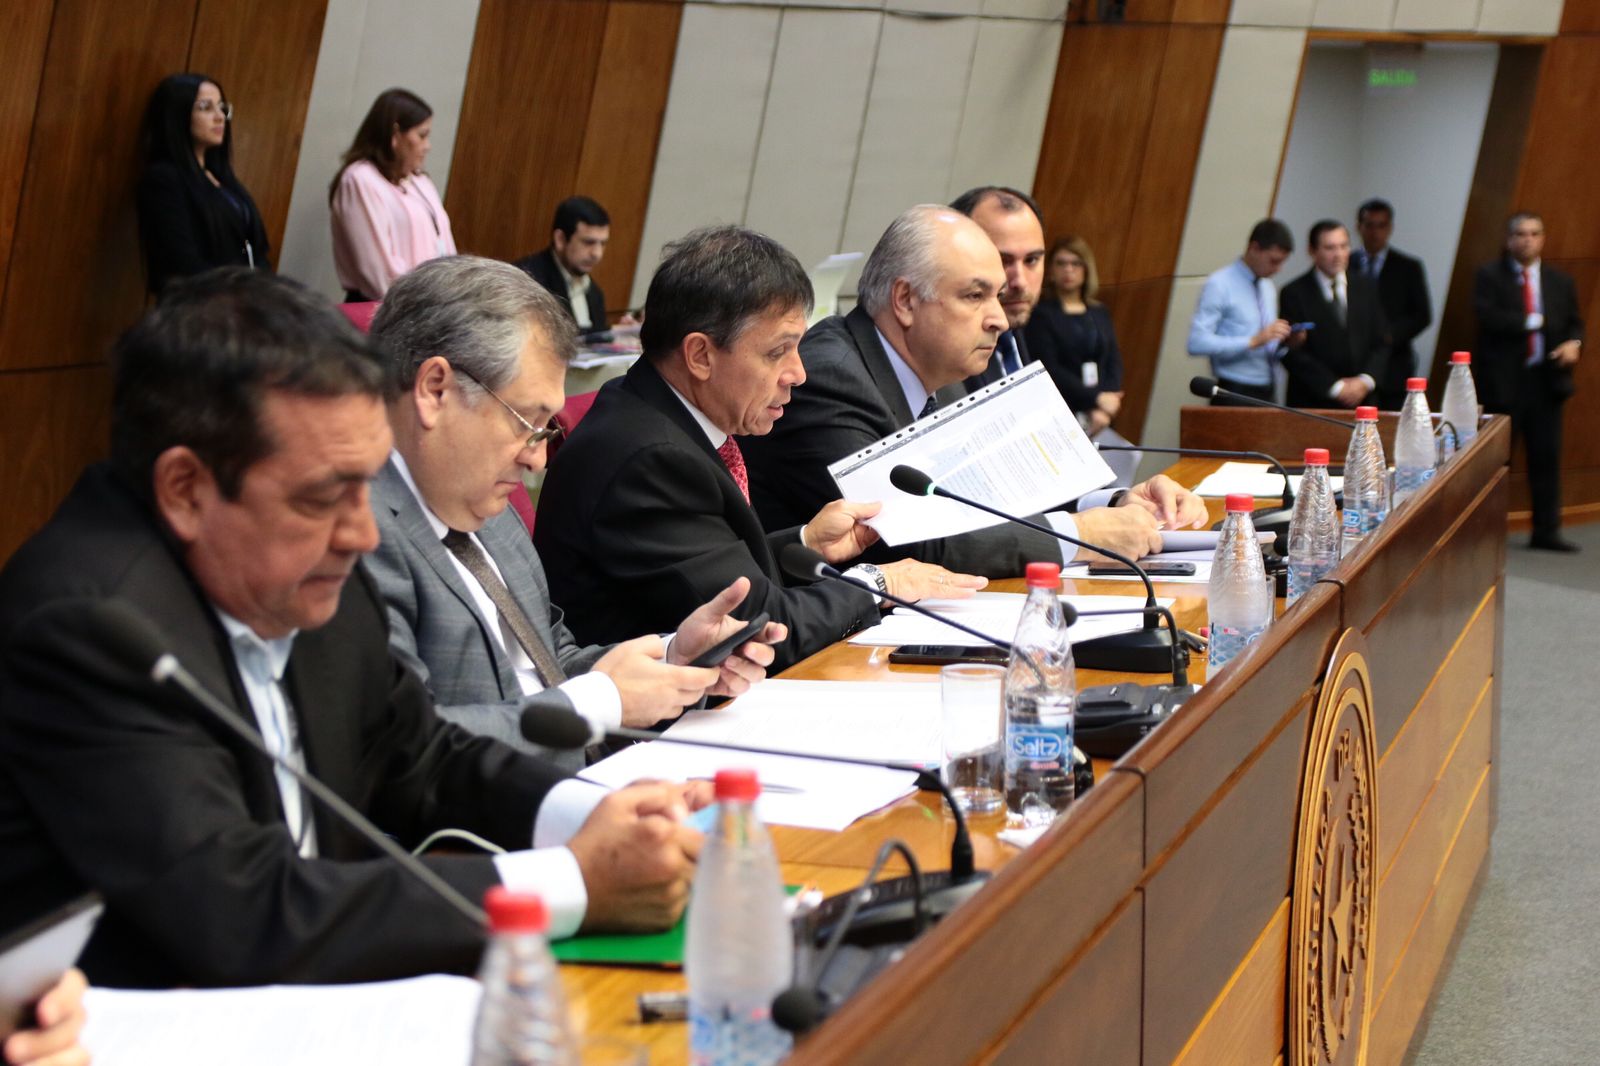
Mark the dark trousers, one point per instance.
(1538, 419)
(1259, 392)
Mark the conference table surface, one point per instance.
(604, 999)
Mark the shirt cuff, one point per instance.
(856, 573)
(594, 695)
(1067, 526)
(1534, 321)
(1333, 393)
(554, 874)
(564, 810)
(1366, 379)
(1097, 498)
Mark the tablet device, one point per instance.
(33, 958)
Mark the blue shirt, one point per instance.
(1234, 306)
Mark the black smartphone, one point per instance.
(1153, 567)
(33, 958)
(945, 654)
(714, 656)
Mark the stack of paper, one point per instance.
(995, 614)
(1258, 479)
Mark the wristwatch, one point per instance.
(874, 575)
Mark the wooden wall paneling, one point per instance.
(52, 424)
(1245, 1023)
(1095, 136)
(1568, 86)
(624, 129)
(1580, 16)
(1283, 437)
(264, 53)
(523, 121)
(24, 31)
(79, 279)
(1137, 314)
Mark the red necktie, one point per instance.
(733, 459)
(1530, 305)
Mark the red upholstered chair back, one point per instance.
(360, 315)
(523, 505)
(569, 417)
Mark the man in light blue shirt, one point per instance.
(1236, 323)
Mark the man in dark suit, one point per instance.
(1403, 292)
(1530, 335)
(1012, 220)
(645, 512)
(1338, 362)
(928, 317)
(471, 396)
(234, 515)
(578, 236)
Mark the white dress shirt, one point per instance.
(1336, 290)
(578, 296)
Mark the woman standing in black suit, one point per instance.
(1070, 332)
(193, 213)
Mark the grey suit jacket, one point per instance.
(435, 629)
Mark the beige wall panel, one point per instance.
(1246, 128)
(1520, 16)
(1008, 101)
(1030, 9)
(908, 146)
(712, 125)
(1438, 14)
(875, 5)
(1174, 367)
(1353, 14)
(1271, 12)
(369, 46)
(816, 104)
(937, 7)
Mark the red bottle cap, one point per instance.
(1465, 358)
(1316, 457)
(1366, 414)
(515, 912)
(1242, 501)
(1416, 384)
(737, 785)
(1044, 575)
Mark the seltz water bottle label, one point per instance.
(1359, 521)
(1035, 744)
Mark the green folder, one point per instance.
(624, 949)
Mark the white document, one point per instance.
(794, 790)
(1013, 445)
(827, 278)
(993, 613)
(588, 359)
(891, 721)
(1258, 479)
(424, 1021)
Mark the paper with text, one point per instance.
(1258, 479)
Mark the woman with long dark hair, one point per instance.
(387, 215)
(1070, 332)
(193, 213)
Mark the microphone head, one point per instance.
(557, 728)
(798, 1009)
(799, 561)
(1203, 387)
(909, 479)
(1069, 613)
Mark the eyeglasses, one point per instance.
(205, 107)
(536, 436)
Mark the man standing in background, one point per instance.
(1236, 323)
(1342, 357)
(1403, 292)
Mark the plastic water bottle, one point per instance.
(1239, 600)
(522, 1018)
(1414, 454)
(1040, 693)
(1461, 399)
(1366, 480)
(740, 951)
(1313, 528)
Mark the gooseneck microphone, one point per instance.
(1142, 651)
(1207, 388)
(139, 643)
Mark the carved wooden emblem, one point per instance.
(1336, 881)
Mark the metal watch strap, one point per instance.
(876, 575)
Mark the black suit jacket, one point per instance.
(1061, 347)
(851, 399)
(1499, 367)
(109, 782)
(188, 228)
(640, 523)
(1403, 292)
(1333, 351)
(542, 267)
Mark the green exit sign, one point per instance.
(1391, 78)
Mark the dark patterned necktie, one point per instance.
(733, 459)
(931, 406)
(472, 557)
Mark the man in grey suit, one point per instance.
(929, 316)
(478, 353)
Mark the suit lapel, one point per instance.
(865, 335)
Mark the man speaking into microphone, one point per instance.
(247, 425)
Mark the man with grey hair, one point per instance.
(929, 314)
(478, 352)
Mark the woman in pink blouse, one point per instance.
(387, 216)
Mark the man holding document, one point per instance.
(929, 316)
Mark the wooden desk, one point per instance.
(1322, 811)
